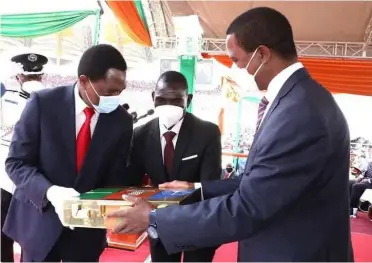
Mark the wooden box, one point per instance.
(126, 241)
(90, 208)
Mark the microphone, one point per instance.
(125, 106)
(148, 113)
(134, 115)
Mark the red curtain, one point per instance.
(130, 21)
(349, 76)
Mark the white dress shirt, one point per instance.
(176, 129)
(80, 115)
(277, 83)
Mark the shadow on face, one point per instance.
(112, 85)
(174, 94)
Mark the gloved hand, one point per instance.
(57, 194)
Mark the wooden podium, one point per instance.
(128, 241)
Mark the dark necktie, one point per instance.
(261, 111)
(169, 151)
(83, 138)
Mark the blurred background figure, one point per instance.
(229, 171)
(30, 76)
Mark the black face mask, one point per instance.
(229, 170)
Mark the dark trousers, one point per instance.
(7, 253)
(357, 189)
(72, 247)
(159, 254)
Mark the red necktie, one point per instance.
(83, 138)
(169, 151)
(261, 111)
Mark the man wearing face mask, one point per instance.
(175, 146)
(29, 77)
(292, 202)
(69, 140)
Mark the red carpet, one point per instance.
(361, 237)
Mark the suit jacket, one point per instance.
(196, 137)
(43, 153)
(292, 202)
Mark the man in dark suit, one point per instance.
(175, 146)
(292, 201)
(49, 159)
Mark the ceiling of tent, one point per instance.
(337, 21)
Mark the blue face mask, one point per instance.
(106, 104)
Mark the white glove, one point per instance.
(57, 194)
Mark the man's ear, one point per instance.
(153, 95)
(189, 99)
(18, 78)
(83, 79)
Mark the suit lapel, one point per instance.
(183, 141)
(288, 85)
(155, 150)
(103, 135)
(67, 119)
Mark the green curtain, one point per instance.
(187, 68)
(141, 13)
(40, 24)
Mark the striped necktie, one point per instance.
(261, 111)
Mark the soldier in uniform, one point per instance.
(29, 78)
(31, 75)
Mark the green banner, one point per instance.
(40, 24)
(188, 69)
(141, 13)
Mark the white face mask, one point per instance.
(32, 86)
(106, 104)
(169, 115)
(251, 78)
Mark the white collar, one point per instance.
(79, 103)
(176, 128)
(278, 81)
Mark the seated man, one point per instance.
(175, 146)
(358, 188)
(357, 171)
(229, 172)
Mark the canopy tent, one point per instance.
(322, 30)
(49, 28)
(323, 24)
(341, 21)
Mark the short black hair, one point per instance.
(97, 60)
(172, 77)
(264, 26)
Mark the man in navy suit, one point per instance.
(69, 140)
(292, 201)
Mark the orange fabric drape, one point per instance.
(223, 59)
(349, 76)
(130, 21)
